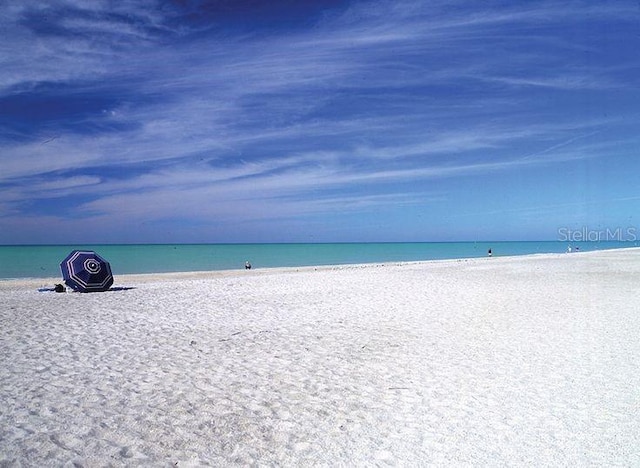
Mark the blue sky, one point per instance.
(317, 121)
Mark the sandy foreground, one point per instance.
(500, 361)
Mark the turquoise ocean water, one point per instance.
(44, 261)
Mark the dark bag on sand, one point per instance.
(59, 288)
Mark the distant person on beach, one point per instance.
(247, 265)
(490, 253)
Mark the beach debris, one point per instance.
(228, 339)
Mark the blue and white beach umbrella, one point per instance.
(86, 271)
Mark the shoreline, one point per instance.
(42, 262)
(204, 274)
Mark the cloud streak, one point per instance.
(146, 112)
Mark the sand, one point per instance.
(522, 361)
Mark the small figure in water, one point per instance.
(247, 265)
(490, 253)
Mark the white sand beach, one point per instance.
(522, 361)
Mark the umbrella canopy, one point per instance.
(86, 271)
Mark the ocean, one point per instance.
(43, 261)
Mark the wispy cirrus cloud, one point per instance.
(121, 105)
